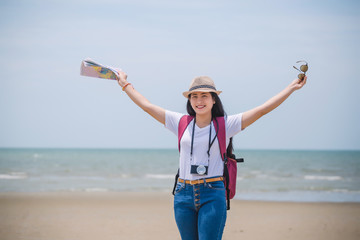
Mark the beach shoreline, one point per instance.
(149, 215)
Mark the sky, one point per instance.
(247, 47)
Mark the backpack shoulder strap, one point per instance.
(221, 134)
(184, 122)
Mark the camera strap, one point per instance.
(210, 142)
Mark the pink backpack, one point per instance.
(230, 167)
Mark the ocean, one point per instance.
(266, 175)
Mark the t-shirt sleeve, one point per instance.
(172, 120)
(233, 125)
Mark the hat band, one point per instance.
(202, 86)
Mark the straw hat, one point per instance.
(201, 84)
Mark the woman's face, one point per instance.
(202, 102)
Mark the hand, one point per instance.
(121, 77)
(298, 84)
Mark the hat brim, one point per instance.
(187, 93)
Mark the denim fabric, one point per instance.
(200, 210)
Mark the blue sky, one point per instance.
(247, 47)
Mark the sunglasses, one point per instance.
(303, 70)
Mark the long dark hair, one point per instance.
(216, 111)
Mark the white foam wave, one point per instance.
(36, 155)
(13, 175)
(326, 178)
(159, 176)
(96, 190)
(342, 190)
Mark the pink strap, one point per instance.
(184, 122)
(221, 135)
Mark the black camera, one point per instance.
(199, 169)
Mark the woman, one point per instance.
(199, 202)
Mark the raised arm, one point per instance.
(254, 114)
(155, 111)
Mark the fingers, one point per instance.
(303, 81)
(121, 77)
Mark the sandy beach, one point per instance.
(109, 216)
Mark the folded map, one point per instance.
(91, 68)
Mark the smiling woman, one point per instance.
(201, 102)
(200, 199)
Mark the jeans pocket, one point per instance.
(179, 187)
(218, 185)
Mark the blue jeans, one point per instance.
(200, 210)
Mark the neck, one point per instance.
(203, 120)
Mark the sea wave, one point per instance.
(160, 176)
(96, 190)
(326, 178)
(13, 175)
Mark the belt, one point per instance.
(198, 181)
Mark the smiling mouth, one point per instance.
(200, 106)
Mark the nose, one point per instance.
(199, 102)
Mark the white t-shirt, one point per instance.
(201, 145)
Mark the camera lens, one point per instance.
(201, 170)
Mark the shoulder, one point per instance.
(175, 116)
(172, 120)
(233, 118)
(233, 124)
